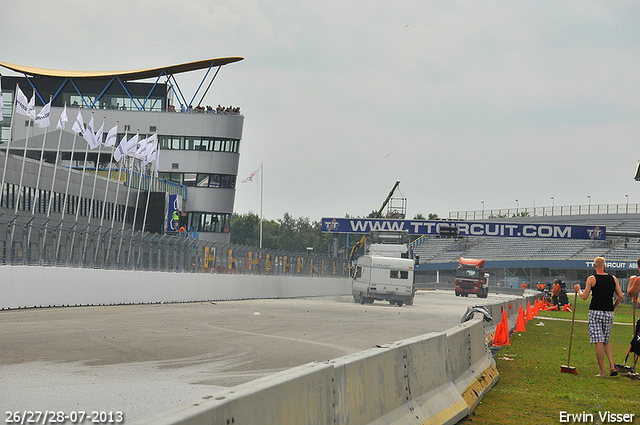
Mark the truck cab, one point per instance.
(384, 279)
(471, 278)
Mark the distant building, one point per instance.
(199, 149)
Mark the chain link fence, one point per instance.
(29, 240)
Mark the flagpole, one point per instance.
(135, 211)
(24, 159)
(115, 203)
(106, 190)
(146, 208)
(144, 218)
(44, 141)
(55, 163)
(88, 129)
(84, 167)
(261, 194)
(6, 158)
(95, 177)
(126, 206)
(93, 191)
(66, 191)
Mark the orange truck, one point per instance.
(471, 278)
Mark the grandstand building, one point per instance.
(511, 261)
(51, 174)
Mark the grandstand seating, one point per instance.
(432, 249)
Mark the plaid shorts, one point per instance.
(600, 324)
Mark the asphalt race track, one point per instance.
(143, 359)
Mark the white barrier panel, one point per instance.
(375, 382)
(470, 366)
(33, 286)
(423, 380)
(302, 395)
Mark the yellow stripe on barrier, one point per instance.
(478, 388)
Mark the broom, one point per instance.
(566, 368)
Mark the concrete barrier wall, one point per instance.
(414, 381)
(32, 286)
(437, 378)
(301, 395)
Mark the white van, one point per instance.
(383, 278)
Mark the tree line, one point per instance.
(289, 233)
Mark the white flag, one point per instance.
(157, 162)
(22, 104)
(1, 101)
(251, 177)
(42, 119)
(62, 122)
(142, 147)
(112, 136)
(121, 150)
(32, 107)
(153, 138)
(132, 143)
(149, 153)
(98, 136)
(89, 135)
(78, 125)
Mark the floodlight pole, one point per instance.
(261, 195)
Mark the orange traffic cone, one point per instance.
(520, 323)
(501, 336)
(567, 307)
(536, 307)
(529, 315)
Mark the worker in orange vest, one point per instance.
(555, 293)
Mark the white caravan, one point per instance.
(383, 278)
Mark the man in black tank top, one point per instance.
(601, 286)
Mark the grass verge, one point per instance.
(531, 388)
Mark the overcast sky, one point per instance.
(462, 102)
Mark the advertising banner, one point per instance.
(464, 228)
(175, 204)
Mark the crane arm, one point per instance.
(384, 204)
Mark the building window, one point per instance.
(209, 222)
(203, 180)
(199, 144)
(189, 179)
(223, 181)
